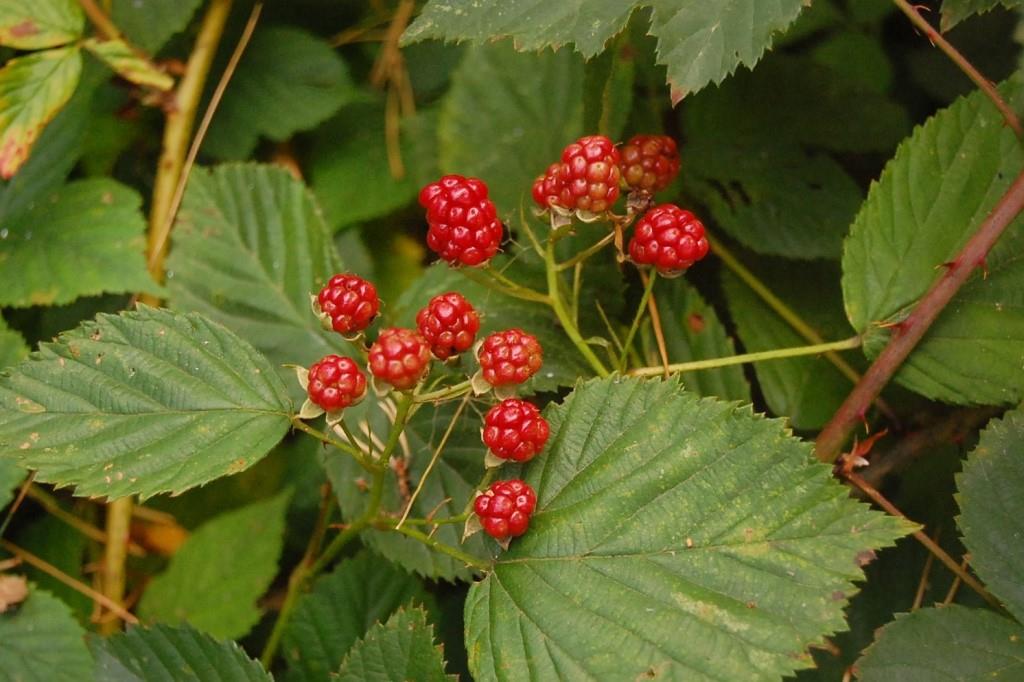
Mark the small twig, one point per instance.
(433, 461)
(922, 585)
(17, 502)
(641, 307)
(104, 26)
(163, 232)
(115, 554)
(659, 332)
(983, 84)
(909, 332)
(181, 114)
(929, 544)
(53, 508)
(54, 572)
(761, 356)
(955, 587)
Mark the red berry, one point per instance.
(514, 429)
(336, 383)
(464, 225)
(449, 323)
(509, 357)
(649, 162)
(668, 238)
(587, 178)
(350, 302)
(400, 357)
(505, 509)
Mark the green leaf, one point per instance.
(950, 643)
(12, 346)
(674, 537)
(144, 402)
(150, 23)
(33, 24)
(42, 642)
(162, 653)
(349, 168)
(250, 247)
(774, 198)
(929, 200)
(807, 390)
(33, 88)
(85, 238)
(340, 608)
(955, 11)
(535, 108)
(281, 67)
(120, 57)
(700, 42)
(992, 509)
(399, 650)
(445, 494)
(694, 332)
(773, 104)
(215, 578)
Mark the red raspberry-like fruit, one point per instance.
(649, 162)
(400, 357)
(505, 509)
(509, 357)
(587, 178)
(464, 225)
(514, 429)
(336, 383)
(668, 238)
(349, 302)
(449, 323)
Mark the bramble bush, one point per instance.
(511, 339)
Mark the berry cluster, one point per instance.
(449, 323)
(649, 162)
(586, 179)
(464, 225)
(668, 238)
(504, 509)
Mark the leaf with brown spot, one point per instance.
(33, 89)
(34, 24)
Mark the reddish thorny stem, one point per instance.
(909, 332)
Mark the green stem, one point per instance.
(441, 547)
(778, 354)
(515, 291)
(402, 407)
(556, 303)
(775, 303)
(587, 252)
(453, 391)
(369, 465)
(461, 518)
(644, 300)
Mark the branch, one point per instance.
(178, 130)
(984, 84)
(104, 26)
(908, 333)
(742, 359)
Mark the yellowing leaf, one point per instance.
(33, 24)
(33, 88)
(128, 64)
